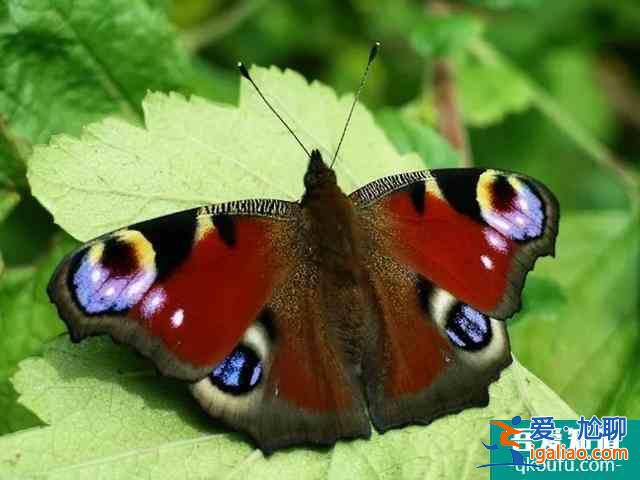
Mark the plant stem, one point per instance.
(450, 121)
(16, 163)
(17, 149)
(219, 26)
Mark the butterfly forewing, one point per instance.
(181, 289)
(475, 233)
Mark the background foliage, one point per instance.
(544, 87)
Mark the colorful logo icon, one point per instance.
(507, 431)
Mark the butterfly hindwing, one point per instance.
(446, 251)
(434, 355)
(181, 289)
(309, 391)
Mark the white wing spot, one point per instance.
(487, 262)
(177, 318)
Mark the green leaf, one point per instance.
(444, 35)
(110, 416)
(70, 63)
(214, 83)
(193, 152)
(25, 235)
(572, 81)
(597, 309)
(27, 320)
(409, 135)
(488, 92)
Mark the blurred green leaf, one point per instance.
(544, 296)
(82, 60)
(489, 92)
(409, 135)
(570, 76)
(625, 397)
(26, 232)
(187, 13)
(215, 83)
(109, 415)
(27, 320)
(569, 140)
(586, 345)
(444, 35)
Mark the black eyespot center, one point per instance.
(502, 193)
(468, 328)
(239, 373)
(119, 257)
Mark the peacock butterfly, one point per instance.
(304, 322)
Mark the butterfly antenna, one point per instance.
(372, 56)
(245, 73)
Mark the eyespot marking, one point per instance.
(467, 328)
(239, 373)
(113, 275)
(510, 206)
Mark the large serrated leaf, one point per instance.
(110, 416)
(193, 152)
(68, 63)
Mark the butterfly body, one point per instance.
(304, 322)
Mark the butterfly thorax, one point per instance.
(331, 221)
(334, 243)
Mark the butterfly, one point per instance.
(306, 322)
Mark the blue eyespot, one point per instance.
(467, 328)
(112, 275)
(239, 372)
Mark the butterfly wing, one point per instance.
(447, 250)
(181, 289)
(310, 391)
(475, 233)
(214, 296)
